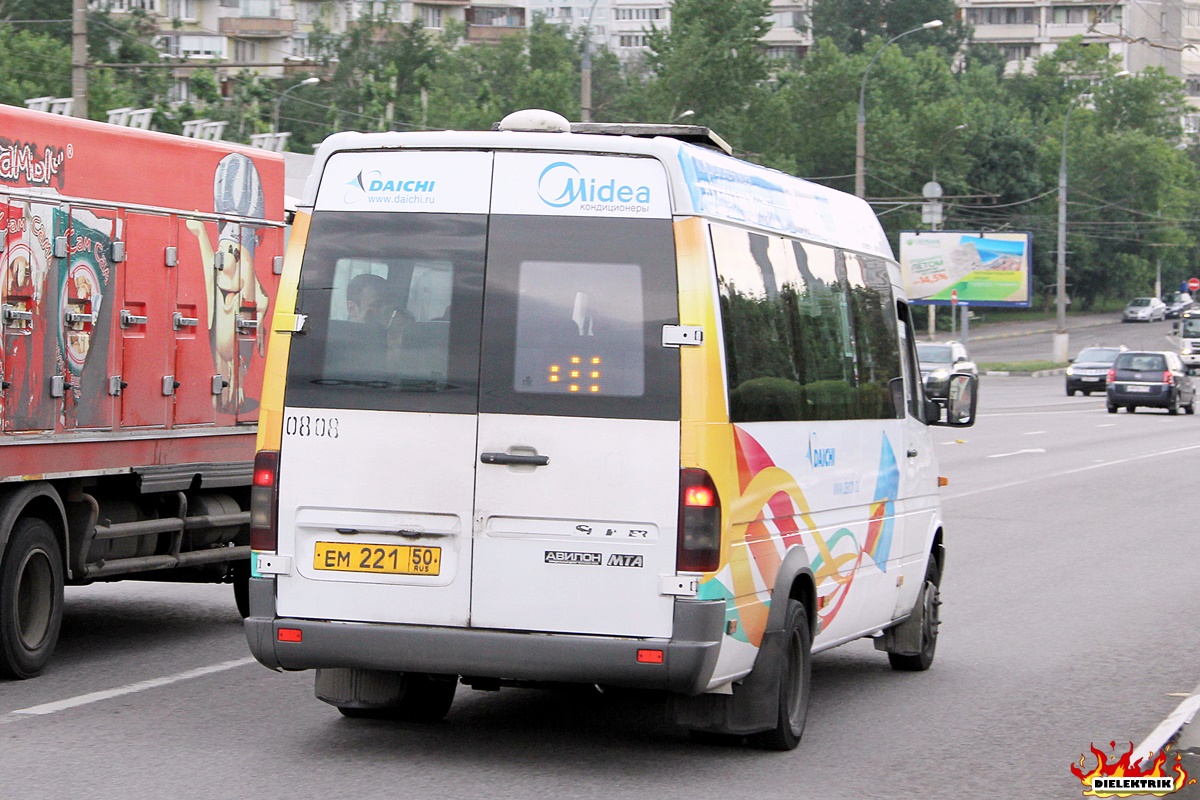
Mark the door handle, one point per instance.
(513, 458)
(912, 453)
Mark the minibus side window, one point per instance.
(808, 330)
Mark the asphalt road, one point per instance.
(1069, 585)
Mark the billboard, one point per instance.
(985, 269)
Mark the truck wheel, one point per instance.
(794, 680)
(31, 599)
(928, 607)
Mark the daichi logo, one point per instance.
(1125, 776)
(376, 187)
(562, 184)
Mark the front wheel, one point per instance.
(928, 606)
(794, 680)
(1131, 409)
(1112, 409)
(1173, 405)
(1070, 392)
(31, 599)
(1190, 408)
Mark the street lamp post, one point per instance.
(279, 100)
(1061, 337)
(585, 69)
(860, 138)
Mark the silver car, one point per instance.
(1144, 309)
(938, 361)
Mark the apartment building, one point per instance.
(1142, 33)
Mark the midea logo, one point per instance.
(562, 184)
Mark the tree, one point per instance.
(32, 65)
(851, 24)
(708, 61)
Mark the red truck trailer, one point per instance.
(138, 273)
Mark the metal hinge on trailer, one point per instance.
(682, 335)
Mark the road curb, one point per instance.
(1039, 373)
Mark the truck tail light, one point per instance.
(1112, 376)
(264, 501)
(699, 548)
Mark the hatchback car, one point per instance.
(1089, 369)
(938, 361)
(1144, 309)
(1150, 378)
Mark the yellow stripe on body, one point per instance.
(270, 415)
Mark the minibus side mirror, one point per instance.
(961, 402)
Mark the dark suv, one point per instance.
(1150, 378)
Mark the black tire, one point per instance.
(240, 573)
(1070, 392)
(794, 681)
(1130, 409)
(426, 698)
(1087, 393)
(31, 599)
(1112, 409)
(1173, 405)
(1190, 408)
(930, 604)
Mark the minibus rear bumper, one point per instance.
(688, 658)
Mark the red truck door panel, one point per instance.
(144, 322)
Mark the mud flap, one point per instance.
(754, 704)
(360, 688)
(905, 639)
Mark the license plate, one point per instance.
(1135, 388)
(392, 559)
(1090, 380)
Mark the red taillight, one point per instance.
(290, 635)
(699, 548)
(1168, 378)
(1112, 375)
(263, 501)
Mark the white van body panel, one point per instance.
(578, 545)
(386, 486)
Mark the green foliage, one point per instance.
(935, 106)
(32, 65)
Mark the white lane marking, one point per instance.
(108, 694)
(1107, 425)
(1018, 452)
(1075, 471)
(1033, 433)
(1170, 726)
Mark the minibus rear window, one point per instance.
(574, 316)
(393, 303)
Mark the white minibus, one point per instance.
(595, 404)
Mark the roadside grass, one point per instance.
(1018, 366)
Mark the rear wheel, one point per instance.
(928, 605)
(1112, 409)
(31, 599)
(1190, 408)
(1173, 405)
(1131, 409)
(794, 681)
(1070, 392)
(1087, 393)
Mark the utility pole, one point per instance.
(79, 57)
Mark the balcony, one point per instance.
(250, 27)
